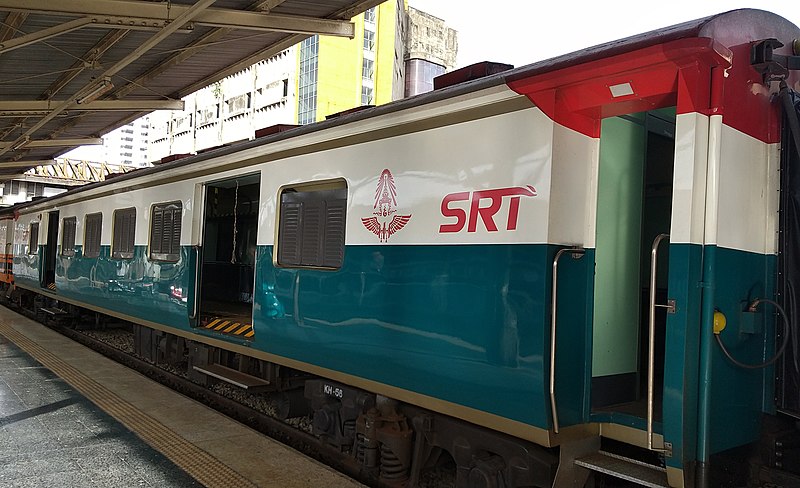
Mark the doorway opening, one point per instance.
(48, 276)
(637, 153)
(227, 274)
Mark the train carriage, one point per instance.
(515, 271)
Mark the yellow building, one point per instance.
(336, 74)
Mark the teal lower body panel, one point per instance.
(26, 268)
(681, 350)
(740, 396)
(465, 324)
(149, 290)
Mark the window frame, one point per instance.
(118, 251)
(33, 238)
(157, 253)
(89, 249)
(68, 236)
(326, 249)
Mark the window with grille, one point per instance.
(33, 238)
(124, 229)
(69, 226)
(369, 40)
(369, 15)
(165, 231)
(311, 226)
(91, 238)
(368, 69)
(367, 95)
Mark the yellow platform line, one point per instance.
(199, 464)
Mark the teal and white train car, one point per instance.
(523, 272)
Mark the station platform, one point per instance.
(72, 417)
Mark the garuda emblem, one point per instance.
(385, 221)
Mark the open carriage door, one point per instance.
(649, 111)
(633, 290)
(48, 271)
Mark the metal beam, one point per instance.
(33, 107)
(26, 164)
(269, 5)
(44, 34)
(82, 141)
(10, 27)
(160, 13)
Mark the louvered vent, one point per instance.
(124, 233)
(91, 241)
(165, 231)
(312, 226)
(68, 236)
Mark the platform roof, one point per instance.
(73, 70)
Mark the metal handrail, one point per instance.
(297, 318)
(577, 252)
(652, 336)
(196, 297)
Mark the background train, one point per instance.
(523, 274)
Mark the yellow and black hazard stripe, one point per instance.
(231, 327)
(51, 286)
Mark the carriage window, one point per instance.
(68, 236)
(91, 239)
(165, 231)
(311, 226)
(33, 243)
(124, 230)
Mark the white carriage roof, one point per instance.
(73, 70)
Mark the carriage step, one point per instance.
(237, 378)
(625, 468)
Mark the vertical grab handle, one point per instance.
(577, 253)
(651, 354)
(196, 296)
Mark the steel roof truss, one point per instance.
(90, 58)
(186, 16)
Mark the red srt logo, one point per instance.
(486, 213)
(384, 224)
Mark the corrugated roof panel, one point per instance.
(60, 61)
